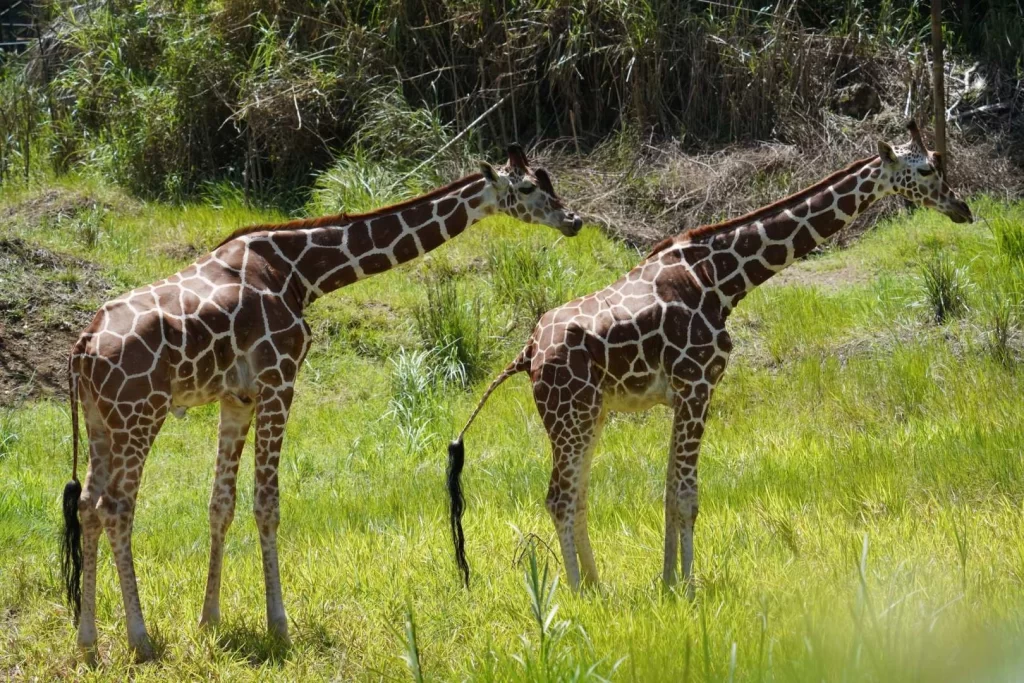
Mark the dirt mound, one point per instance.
(46, 299)
(53, 205)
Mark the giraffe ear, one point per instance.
(886, 152)
(488, 172)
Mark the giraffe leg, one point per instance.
(234, 425)
(116, 508)
(569, 401)
(561, 505)
(92, 528)
(681, 482)
(271, 416)
(588, 566)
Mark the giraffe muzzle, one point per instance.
(572, 225)
(959, 212)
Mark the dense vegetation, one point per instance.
(166, 96)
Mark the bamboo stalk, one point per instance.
(938, 83)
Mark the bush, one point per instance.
(166, 95)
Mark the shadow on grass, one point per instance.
(258, 647)
(255, 645)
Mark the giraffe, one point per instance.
(658, 336)
(230, 328)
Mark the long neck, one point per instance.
(329, 257)
(742, 256)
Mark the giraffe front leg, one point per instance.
(116, 508)
(234, 425)
(681, 483)
(271, 417)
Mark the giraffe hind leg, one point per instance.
(235, 418)
(588, 566)
(569, 402)
(116, 508)
(92, 527)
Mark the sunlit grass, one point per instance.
(861, 491)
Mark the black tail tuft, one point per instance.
(456, 458)
(71, 548)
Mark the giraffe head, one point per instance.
(919, 175)
(527, 194)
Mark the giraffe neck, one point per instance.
(323, 258)
(739, 258)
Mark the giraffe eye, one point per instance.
(527, 188)
(926, 171)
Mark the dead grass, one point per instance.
(642, 192)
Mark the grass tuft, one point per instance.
(530, 280)
(946, 287)
(450, 328)
(1009, 234)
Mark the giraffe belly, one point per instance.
(234, 383)
(623, 397)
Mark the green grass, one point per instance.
(861, 489)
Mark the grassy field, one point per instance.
(861, 502)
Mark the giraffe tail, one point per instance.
(457, 457)
(71, 535)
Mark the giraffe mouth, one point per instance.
(959, 212)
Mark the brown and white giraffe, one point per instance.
(231, 328)
(658, 336)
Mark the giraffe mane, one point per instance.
(340, 219)
(763, 212)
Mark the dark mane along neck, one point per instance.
(340, 219)
(765, 211)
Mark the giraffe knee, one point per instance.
(688, 507)
(267, 513)
(222, 513)
(88, 513)
(559, 503)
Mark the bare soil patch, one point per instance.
(46, 299)
(812, 274)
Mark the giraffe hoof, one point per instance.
(210, 617)
(279, 630)
(90, 656)
(143, 651)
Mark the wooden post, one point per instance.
(938, 82)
